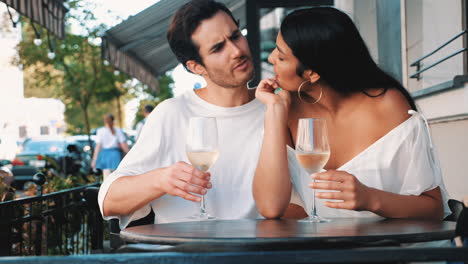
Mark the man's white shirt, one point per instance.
(162, 143)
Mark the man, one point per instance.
(147, 109)
(156, 174)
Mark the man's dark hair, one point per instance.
(109, 116)
(148, 108)
(185, 21)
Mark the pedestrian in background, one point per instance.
(110, 143)
(146, 111)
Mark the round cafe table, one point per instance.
(270, 234)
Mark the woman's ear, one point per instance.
(196, 67)
(312, 76)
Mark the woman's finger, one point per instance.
(326, 185)
(331, 175)
(335, 204)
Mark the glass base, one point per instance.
(314, 219)
(202, 216)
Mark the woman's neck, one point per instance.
(326, 98)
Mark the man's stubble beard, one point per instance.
(222, 82)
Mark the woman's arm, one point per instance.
(124, 147)
(95, 155)
(428, 205)
(272, 184)
(353, 195)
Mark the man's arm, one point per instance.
(130, 193)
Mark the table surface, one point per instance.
(355, 230)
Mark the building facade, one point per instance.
(21, 117)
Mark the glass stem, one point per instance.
(314, 208)
(202, 202)
(202, 205)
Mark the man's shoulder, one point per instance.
(173, 102)
(100, 130)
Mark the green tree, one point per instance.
(166, 84)
(80, 78)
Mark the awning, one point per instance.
(138, 45)
(47, 13)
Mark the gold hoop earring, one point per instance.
(300, 97)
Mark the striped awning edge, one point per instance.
(129, 64)
(47, 13)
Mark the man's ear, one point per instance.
(312, 76)
(196, 67)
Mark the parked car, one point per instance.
(81, 141)
(58, 155)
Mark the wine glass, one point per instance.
(202, 150)
(312, 152)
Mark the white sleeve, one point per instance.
(120, 136)
(144, 156)
(138, 129)
(99, 136)
(419, 166)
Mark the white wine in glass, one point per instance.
(312, 152)
(202, 159)
(202, 151)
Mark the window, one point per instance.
(44, 130)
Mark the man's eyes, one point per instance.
(219, 47)
(235, 36)
(216, 48)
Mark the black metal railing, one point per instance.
(60, 223)
(418, 63)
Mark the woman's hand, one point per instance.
(266, 93)
(351, 195)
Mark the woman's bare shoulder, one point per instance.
(388, 110)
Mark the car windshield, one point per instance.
(43, 147)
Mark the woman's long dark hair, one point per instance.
(326, 41)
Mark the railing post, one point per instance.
(39, 179)
(6, 213)
(95, 220)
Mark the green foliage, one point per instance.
(75, 121)
(165, 91)
(77, 74)
(6, 191)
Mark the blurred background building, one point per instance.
(21, 117)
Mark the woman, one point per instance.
(110, 142)
(381, 155)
